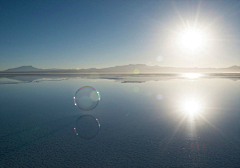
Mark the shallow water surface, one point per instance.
(140, 121)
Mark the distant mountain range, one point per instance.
(24, 69)
(125, 69)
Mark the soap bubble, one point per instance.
(86, 98)
(87, 127)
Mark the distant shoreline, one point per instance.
(42, 73)
(125, 69)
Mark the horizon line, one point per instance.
(117, 66)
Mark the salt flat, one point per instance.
(146, 121)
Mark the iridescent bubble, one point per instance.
(87, 127)
(86, 98)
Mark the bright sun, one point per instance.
(192, 39)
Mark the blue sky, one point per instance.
(87, 33)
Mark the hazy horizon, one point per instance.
(118, 66)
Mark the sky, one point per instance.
(105, 33)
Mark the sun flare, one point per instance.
(192, 39)
(191, 107)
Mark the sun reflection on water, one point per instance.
(191, 106)
(192, 75)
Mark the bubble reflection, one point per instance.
(87, 127)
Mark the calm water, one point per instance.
(145, 121)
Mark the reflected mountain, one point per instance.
(16, 79)
(123, 78)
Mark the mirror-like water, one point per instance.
(146, 121)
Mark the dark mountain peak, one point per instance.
(140, 65)
(130, 68)
(234, 66)
(27, 68)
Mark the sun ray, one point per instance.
(218, 18)
(197, 14)
(165, 26)
(179, 15)
(175, 131)
(221, 133)
(178, 126)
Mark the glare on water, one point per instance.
(192, 75)
(191, 106)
